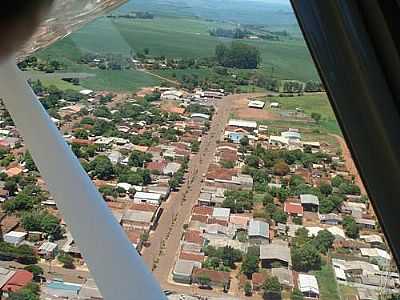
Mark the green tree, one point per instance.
(204, 280)
(137, 158)
(272, 288)
(29, 163)
(280, 168)
(248, 290)
(30, 292)
(81, 134)
(325, 188)
(67, 260)
(316, 117)
(306, 258)
(36, 270)
(238, 55)
(323, 241)
(250, 265)
(279, 216)
(102, 167)
(350, 227)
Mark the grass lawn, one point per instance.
(49, 79)
(317, 103)
(327, 283)
(119, 81)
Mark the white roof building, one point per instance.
(243, 124)
(86, 92)
(151, 198)
(14, 237)
(221, 213)
(308, 284)
(375, 252)
(256, 104)
(309, 199)
(199, 115)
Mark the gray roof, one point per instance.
(284, 275)
(221, 213)
(138, 216)
(276, 250)
(184, 267)
(309, 199)
(258, 228)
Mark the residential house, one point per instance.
(308, 285)
(275, 254)
(150, 198)
(14, 237)
(293, 209)
(258, 232)
(183, 270)
(48, 250)
(330, 219)
(284, 275)
(221, 213)
(309, 202)
(217, 279)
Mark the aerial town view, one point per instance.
(212, 141)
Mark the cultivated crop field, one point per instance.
(171, 37)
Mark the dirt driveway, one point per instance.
(241, 110)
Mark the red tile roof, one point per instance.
(19, 280)
(156, 165)
(215, 276)
(203, 210)
(228, 155)
(193, 236)
(200, 218)
(81, 142)
(216, 172)
(293, 208)
(217, 221)
(192, 256)
(142, 207)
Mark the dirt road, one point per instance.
(165, 240)
(349, 163)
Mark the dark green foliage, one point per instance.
(250, 265)
(325, 188)
(23, 254)
(297, 295)
(350, 227)
(36, 270)
(238, 201)
(272, 286)
(67, 260)
(44, 222)
(29, 163)
(238, 55)
(305, 256)
(323, 241)
(102, 167)
(138, 159)
(30, 292)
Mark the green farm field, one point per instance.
(311, 103)
(184, 37)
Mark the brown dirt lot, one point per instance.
(241, 111)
